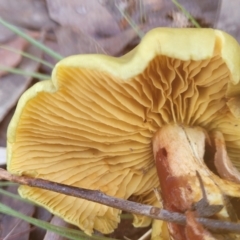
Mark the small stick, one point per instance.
(125, 205)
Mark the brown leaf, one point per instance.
(9, 58)
(58, 222)
(115, 45)
(40, 214)
(52, 44)
(117, 7)
(73, 41)
(6, 34)
(91, 17)
(12, 85)
(26, 13)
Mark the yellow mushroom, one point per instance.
(93, 123)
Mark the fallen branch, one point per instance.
(125, 205)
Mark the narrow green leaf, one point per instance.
(31, 40)
(25, 73)
(62, 231)
(65, 232)
(15, 196)
(187, 14)
(28, 56)
(6, 184)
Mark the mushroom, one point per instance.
(97, 123)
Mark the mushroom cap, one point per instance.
(92, 124)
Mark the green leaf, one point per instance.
(36, 43)
(5, 184)
(25, 73)
(14, 196)
(28, 56)
(65, 232)
(62, 231)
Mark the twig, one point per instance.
(125, 205)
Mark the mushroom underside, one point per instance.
(96, 132)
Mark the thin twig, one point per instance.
(125, 205)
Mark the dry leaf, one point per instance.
(117, 7)
(5, 35)
(91, 17)
(223, 164)
(15, 228)
(4, 126)
(58, 222)
(229, 18)
(12, 85)
(44, 215)
(204, 10)
(115, 45)
(72, 41)
(9, 58)
(26, 13)
(2, 155)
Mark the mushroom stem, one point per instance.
(186, 182)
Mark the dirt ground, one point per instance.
(110, 27)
